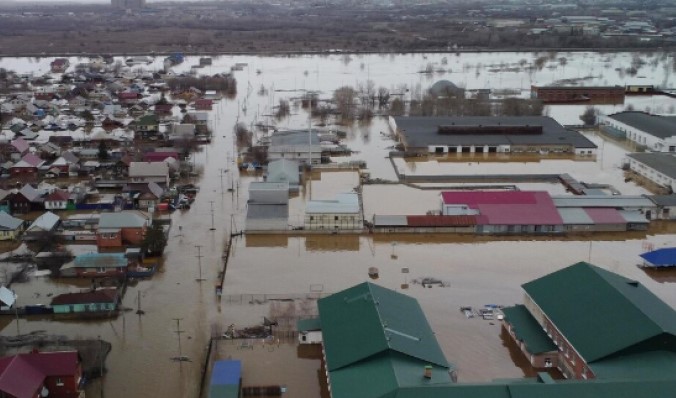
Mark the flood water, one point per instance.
(479, 272)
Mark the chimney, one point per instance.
(428, 372)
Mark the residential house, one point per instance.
(146, 127)
(34, 196)
(120, 228)
(60, 166)
(100, 301)
(157, 172)
(59, 65)
(35, 374)
(28, 166)
(128, 97)
(144, 195)
(10, 227)
(18, 203)
(160, 156)
(341, 213)
(179, 132)
(200, 120)
(665, 206)
(19, 148)
(57, 200)
(203, 104)
(47, 222)
(4, 201)
(309, 331)
(164, 109)
(96, 265)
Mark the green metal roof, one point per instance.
(528, 330)
(599, 312)
(376, 341)
(382, 375)
(563, 389)
(367, 319)
(305, 325)
(223, 391)
(645, 366)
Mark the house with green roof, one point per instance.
(146, 126)
(377, 342)
(595, 324)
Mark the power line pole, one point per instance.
(211, 202)
(199, 262)
(178, 332)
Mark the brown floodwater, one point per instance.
(265, 271)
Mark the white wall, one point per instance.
(311, 337)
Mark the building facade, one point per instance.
(656, 133)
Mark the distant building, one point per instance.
(128, 4)
(594, 324)
(486, 134)
(657, 133)
(295, 145)
(567, 94)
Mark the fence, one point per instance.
(265, 298)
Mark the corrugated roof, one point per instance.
(657, 126)
(100, 260)
(664, 163)
(344, 203)
(634, 217)
(605, 216)
(148, 169)
(9, 223)
(98, 296)
(389, 221)
(528, 330)
(575, 216)
(440, 221)
(304, 325)
(377, 340)
(508, 207)
(366, 320)
(46, 222)
(123, 219)
(421, 131)
(663, 200)
(614, 201)
(602, 313)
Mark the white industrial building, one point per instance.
(656, 133)
(341, 213)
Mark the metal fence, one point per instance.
(266, 298)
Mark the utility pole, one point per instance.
(211, 202)
(101, 364)
(178, 332)
(199, 262)
(221, 170)
(139, 311)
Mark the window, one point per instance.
(548, 362)
(335, 218)
(59, 381)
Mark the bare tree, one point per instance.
(344, 98)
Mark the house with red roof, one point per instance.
(27, 166)
(99, 301)
(203, 104)
(59, 65)
(505, 212)
(57, 200)
(41, 374)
